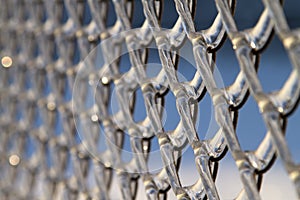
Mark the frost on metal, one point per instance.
(42, 154)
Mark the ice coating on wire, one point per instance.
(40, 75)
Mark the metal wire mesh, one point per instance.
(44, 49)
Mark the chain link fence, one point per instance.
(60, 138)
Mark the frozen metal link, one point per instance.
(43, 145)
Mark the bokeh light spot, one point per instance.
(6, 61)
(14, 160)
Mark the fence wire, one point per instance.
(45, 47)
